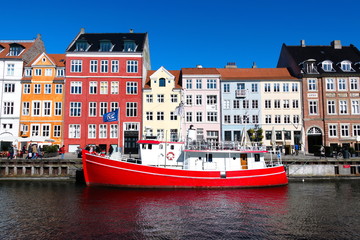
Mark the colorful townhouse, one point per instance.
(14, 54)
(330, 92)
(105, 72)
(42, 100)
(161, 97)
(201, 101)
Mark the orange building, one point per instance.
(41, 118)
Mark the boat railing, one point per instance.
(226, 145)
(275, 158)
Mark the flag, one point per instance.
(111, 116)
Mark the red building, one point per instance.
(105, 72)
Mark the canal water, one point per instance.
(64, 210)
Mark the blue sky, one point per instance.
(185, 33)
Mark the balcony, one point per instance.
(240, 93)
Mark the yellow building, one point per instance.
(41, 118)
(161, 96)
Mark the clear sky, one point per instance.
(185, 33)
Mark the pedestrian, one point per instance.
(15, 151)
(62, 151)
(34, 151)
(11, 152)
(322, 151)
(296, 149)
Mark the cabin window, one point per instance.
(144, 146)
(161, 146)
(150, 146)
(172, 147)
(209, 157)
(257, 157)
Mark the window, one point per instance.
(211, 84)
(132, 66)
(93, 66)
(57, 130)
(38, 72)
(246, 104)
(254, 87)
(114, 66)
(237, 119)
(198, 84)
(149, 98)
(313, 107)
(162, 82)
(46, 130)
(173, 117)
(15, 50)
(286, 118)
(341, 84)
(267, 103)
(37, 88)
(226, 104)
(76, 87)
(114, 87)
(226, 88)
(114, 106)
(129, 46)
(332, 130)
(131, 109)
(354, 84)
(277, 103)
(267, 87)
(294, 87)
(327, 66)
(92, 87)
(9, 87)
(28, 72)
(255, 104)
(278, 135)
(26, 108)
(36, 108)
(81, 46)
(46, 108)
(160, 133)
(286, 103)
(173, 135)
(102, 131)
(189, 100)
(330, 84)
(74, 131)
(149, 116)
(58, 109)
(10, 70)
(58, 88)
(211, 100)
(160, 98)
(255, 119)
(76, 66)
(103, 87)
(160, 116)
(236, 104)
(277, 118)
(189, 83)
(276, 87)
(296, 119)
(47, 89)
(188, 116)
(199, 116)
(331, 107)
(103, 108)
(356, 130)
(312, 85)
(174, 98)
(267, 118)
(287, 135)
(35, 130)
(26, 88)
(92, 109)
(295, 103)
(227, 119)
(8, 108)
(355, 107)
(212, 116)
(113, 131)
(346, 66)
(131, 88)
(92, 131)
(285, 87)
(104, 66)
(75, 109)
(343, 107)
(105, 46)
(48, 72)
(344, 130)
(60, 72)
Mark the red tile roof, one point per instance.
(5, 47)
(254, 73)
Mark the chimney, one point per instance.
(131, 30)
(254, 65)
(38, 36)
(302, 43)
(82, 30)
(231, 65)
(199, 66)
(336, 44)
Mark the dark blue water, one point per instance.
(65, 210)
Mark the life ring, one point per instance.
(170, 156)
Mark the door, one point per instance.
(243, 159)
(130, 142)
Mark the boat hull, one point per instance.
(103, 171)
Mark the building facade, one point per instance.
(14, 54)
(105, 72)
(42, 99)
(331, 92)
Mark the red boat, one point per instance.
(178, 165)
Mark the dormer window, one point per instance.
(346, 66)
(129, 46)
(1, 48)
(81, 46)
(327, 66)
(309, 67)
(162, 82)
(105, 46)
(15, 49)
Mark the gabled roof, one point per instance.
(117, 39)
(199, 71)
(175, 73)
(255, 74)
(6, 44)
(57, 59)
